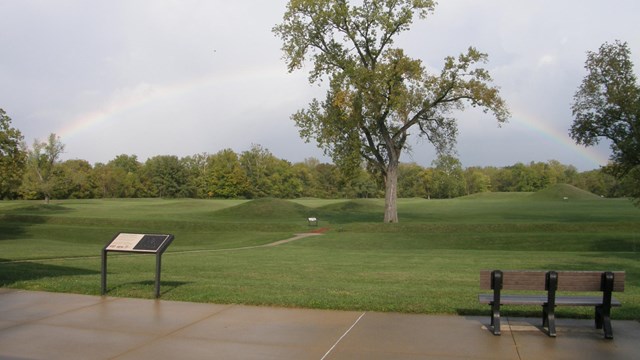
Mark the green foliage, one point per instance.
(166, 177)
(74, 180)
(229, 175)
(448, 178)
(412, 181)
(376, 92)
(225, 176)
(270, 176)
(607, 105)
(41, 177)
(12, 157)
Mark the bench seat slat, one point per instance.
(514, 299)
(583, 301)
(541, 300)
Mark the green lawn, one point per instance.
(429, 263)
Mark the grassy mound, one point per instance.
(516, 196)
(353, 211)
(359, 264)
(564, 192)
(267, 208)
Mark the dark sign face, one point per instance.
(151, 242)
(139, 242)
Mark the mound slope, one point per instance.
(267, 208)
(564, 192)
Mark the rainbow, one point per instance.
(129, 100)
(144, 94)
(591, 154)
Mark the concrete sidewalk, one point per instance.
(39, 325)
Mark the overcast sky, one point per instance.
(150, 77)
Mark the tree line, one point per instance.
(37, 173)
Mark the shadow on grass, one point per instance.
(12, 272)
(533, 312)
(617, 245)
(165, 286)
(14, 222)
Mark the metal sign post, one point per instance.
(136, 243)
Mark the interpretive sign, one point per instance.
(137, 243)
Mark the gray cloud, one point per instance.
(185, 77)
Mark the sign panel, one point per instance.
(141, 243)
(138, 242)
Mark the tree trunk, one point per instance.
(391, 193)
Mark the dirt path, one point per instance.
(276, 243)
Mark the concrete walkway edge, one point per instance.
(41, 325)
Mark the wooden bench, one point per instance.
(551, 282)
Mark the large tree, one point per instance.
(167, 177)
(12, 157)
(607, 105)
(40, 178)
(376, 93)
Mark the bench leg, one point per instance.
(598, 317)
(549, 319)
(603, 321)
(495, 319)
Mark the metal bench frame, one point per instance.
(550, 281)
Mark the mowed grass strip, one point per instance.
(429, 263)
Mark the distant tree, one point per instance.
(285, 183)
(12, 157)
(377, 94)
(476, 181)
(448, 177)
(167, 177)
(196, 167)
(305, 175)
(597, 182)
(363, 185)
(428, 179)
(39, 180)
(225, 176)
(328, 180)
(258, 165)
(108, 181)
(607, 105)
(128, 163)
(127, 169)
(311, 177)
(540, 175)
(523, 178)
(411, 181)
(120, 178)
(74, 180)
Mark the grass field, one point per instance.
(428, 263)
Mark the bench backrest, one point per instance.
(567, 280)
(587, 280)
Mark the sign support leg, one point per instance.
(103, 282)
(158, 261)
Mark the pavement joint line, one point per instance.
(171, 333)
(342, 337)
(513, 337)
